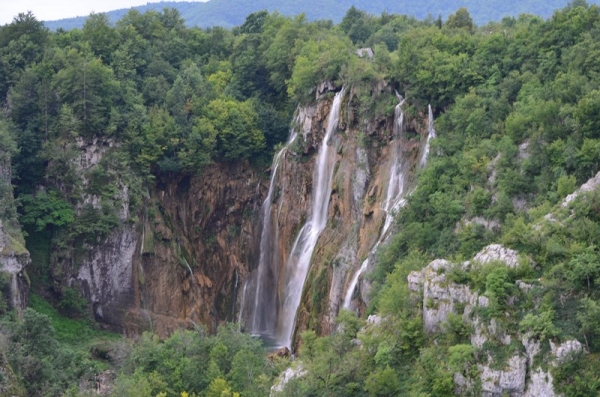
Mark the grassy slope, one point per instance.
(70, 331)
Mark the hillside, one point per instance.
(184, 209)
(230, 13)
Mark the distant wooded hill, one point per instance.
(229, 13)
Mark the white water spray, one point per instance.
(298, 263)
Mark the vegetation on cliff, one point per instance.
(518, 106)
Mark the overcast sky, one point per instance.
(49, 10)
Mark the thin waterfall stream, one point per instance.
(262, 321)
(394, 197)
(431, 134)
(298, 263)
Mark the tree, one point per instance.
(22, 43)
(236, 126)
(90, 89)
(103, 39)
(589, 319)
(585, 269)
(46, 210)
(383, 383)
(461, 20)
(245, 370)
(539, 326)
(254, 22)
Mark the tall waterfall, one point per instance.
(430, 135)
(261, 320)
(394, 198)
(298, 263)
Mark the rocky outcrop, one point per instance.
(106, 276)
(521, 374)
(13, 260)
(589, 186)
(496, 252)
(286, 376)
(199, 244)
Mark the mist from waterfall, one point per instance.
(298, 263)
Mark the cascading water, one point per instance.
(242, 305)
(262, 322)
(430, 135)
(298, 263)
(16, 296)
(394, 197)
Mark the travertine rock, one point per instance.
(496, 252)
(296, 371)
(590, 185)
(518, 377)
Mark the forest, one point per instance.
(520, 96)
(231, 13)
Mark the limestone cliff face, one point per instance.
(198, 242)
(178, 252)
(13, 255)
(526, 371)
(13, 260)
(179, 260)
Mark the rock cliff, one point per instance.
(13, 255)
(524, 367)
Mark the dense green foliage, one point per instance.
(54, 355)
(230, 13)
(517, 107)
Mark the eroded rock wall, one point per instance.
(13, 256)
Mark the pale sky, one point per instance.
(49, 10)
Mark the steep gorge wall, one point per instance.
(182, 262)
(179, 250)
(184, 257)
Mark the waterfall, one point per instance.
(298, 262)
(430, 135)
(242, 304)
(262, 320)
(15, 293)
(394, 198)
(235, 293)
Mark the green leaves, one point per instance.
(46, 209)
(539, 326)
